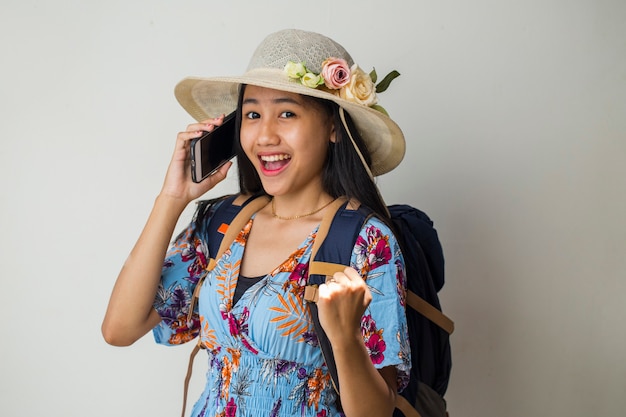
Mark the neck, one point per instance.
(291, 209)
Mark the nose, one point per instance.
(267, 133)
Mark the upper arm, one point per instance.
(378, 259)
(182, 269)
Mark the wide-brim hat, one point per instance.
(205, 98)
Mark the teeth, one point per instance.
(274, 158)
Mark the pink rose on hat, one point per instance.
(336, 73)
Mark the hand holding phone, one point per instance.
(213, 149)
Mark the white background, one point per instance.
(515, 119)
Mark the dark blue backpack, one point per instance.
(429, 329)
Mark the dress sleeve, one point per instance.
(377, 257)
(184, 264)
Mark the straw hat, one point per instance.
(300, 62)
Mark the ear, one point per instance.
(333, 134)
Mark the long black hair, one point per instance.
(343, 174)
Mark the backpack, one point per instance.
(429, 329)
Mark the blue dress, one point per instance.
(264, 360)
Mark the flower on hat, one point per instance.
(360, 89)
(295, 69)
(338, 78)
(336, 73)
(311, 80)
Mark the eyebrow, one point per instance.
(279, 100)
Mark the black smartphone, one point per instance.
(213, 149)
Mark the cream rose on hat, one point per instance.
(310, 64)
(360, 88)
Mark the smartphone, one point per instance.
(213, 149)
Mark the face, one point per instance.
(286, 137)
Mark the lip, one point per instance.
(264, 158)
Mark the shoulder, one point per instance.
(375, 225)
(376, 247)
(206, 209)
(363, 224)
(376, 231)
(234, 201)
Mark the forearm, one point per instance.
(130, 314)
(364, 391)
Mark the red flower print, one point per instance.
(299, 275)
(401, 282)
(376, 346)
(368, 325)
(371, 251)
(239, 327)
(233, 325)
(188, 254)
(380, 253)
(231, 408)
(195, 253)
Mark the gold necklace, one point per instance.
(299, 216)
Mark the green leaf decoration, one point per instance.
(380, 109)
(384, 84)
(373, 75)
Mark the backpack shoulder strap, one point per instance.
(332, 246)
(331, 253)
(243, 212)
(427, 310)
(227, 221)
(192, 356)
(223, 215)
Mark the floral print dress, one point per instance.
(264, 360)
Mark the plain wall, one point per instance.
(515, 118)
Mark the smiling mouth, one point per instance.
(274, 162)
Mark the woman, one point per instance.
(304, 144)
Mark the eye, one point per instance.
(252, 115)
(287, 114)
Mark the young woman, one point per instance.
(307, 134)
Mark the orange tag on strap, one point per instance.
(223, 228)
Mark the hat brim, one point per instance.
(205, 98)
